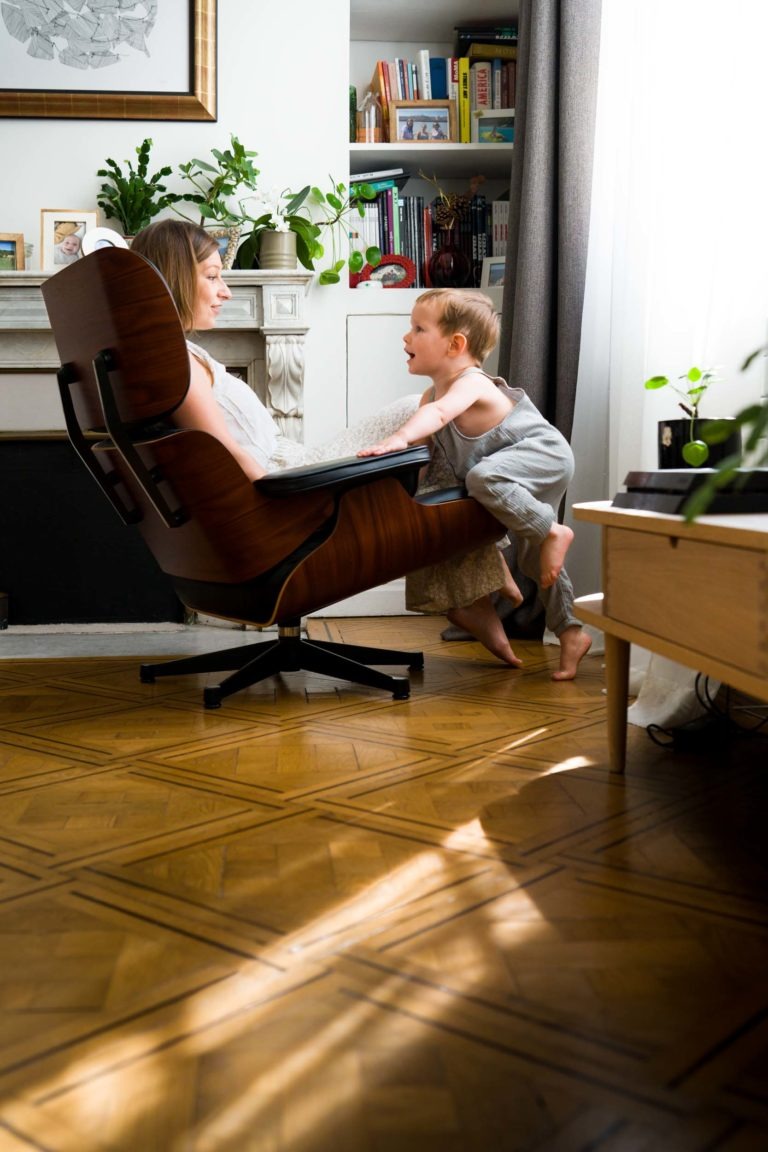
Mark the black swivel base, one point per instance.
(290, 653)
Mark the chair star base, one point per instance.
(290, 653)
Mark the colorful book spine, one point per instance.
(465, 135)
(480, 85)
(438, 77)
(425, 75)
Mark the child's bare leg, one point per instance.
(552, 552)
(574, 645)
(509, 589)
(482, 621)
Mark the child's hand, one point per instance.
(394, 443)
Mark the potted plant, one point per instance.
(132, 197)
(753, 419)
(217, 184)
(307, 215)
(682, 441)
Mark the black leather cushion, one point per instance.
(347, 472)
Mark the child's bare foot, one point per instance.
(509, 589)
(574, 645)
(482, 621)
(552, 553)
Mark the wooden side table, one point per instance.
(695, 593)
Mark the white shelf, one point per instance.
(425, 21)
(449, 161)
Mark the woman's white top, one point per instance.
(248, 421)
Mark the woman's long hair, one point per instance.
(176, 247)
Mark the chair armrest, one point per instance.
(348, 472)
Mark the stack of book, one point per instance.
(481, 75)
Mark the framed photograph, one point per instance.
(392, 272)
(492, 274)
(61, 236)
(493, 126)
(422, 121)
(87, 61)
(11, 252)
(228, 240)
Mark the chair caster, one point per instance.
(146, 675)
(417, 664)
(402, 688)
(212, 697)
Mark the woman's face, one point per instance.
(211, 293)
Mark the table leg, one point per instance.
(617, 687)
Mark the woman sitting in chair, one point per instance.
(188, 259)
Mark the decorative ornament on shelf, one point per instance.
(449, 266)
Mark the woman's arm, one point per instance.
(200, 410)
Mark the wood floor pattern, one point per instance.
(318, 920)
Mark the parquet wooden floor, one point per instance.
(319, 920)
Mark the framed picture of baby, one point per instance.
(61, 236)
(422, 121)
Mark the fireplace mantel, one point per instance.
(261, 331)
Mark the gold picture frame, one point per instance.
(11, 252)
(198, 103)
(422, 122)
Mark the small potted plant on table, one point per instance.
(683, 442)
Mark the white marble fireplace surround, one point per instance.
(261, 332)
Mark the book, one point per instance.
(425, 75)
(477, 51)
(480, 85)
(499, 227)
(381, 174)
(497, 72)
(464, 104)
(438, 77)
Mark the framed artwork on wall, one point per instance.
(154, 62)
(61, 236)
(11, 252)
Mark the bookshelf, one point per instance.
(399, 30)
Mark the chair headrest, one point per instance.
(115, 301)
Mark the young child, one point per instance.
(511, 459)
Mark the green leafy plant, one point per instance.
(218, 184)
(753, 419)
(132, 197)
(311, 214)
(695, 452)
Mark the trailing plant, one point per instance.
(132, 197)
(696, 451)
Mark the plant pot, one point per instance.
(277, 249)
(673, 434)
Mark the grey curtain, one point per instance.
(558, 50)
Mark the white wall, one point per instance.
(282, 80)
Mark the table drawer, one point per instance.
(707, 597)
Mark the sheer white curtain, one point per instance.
(678, 259)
